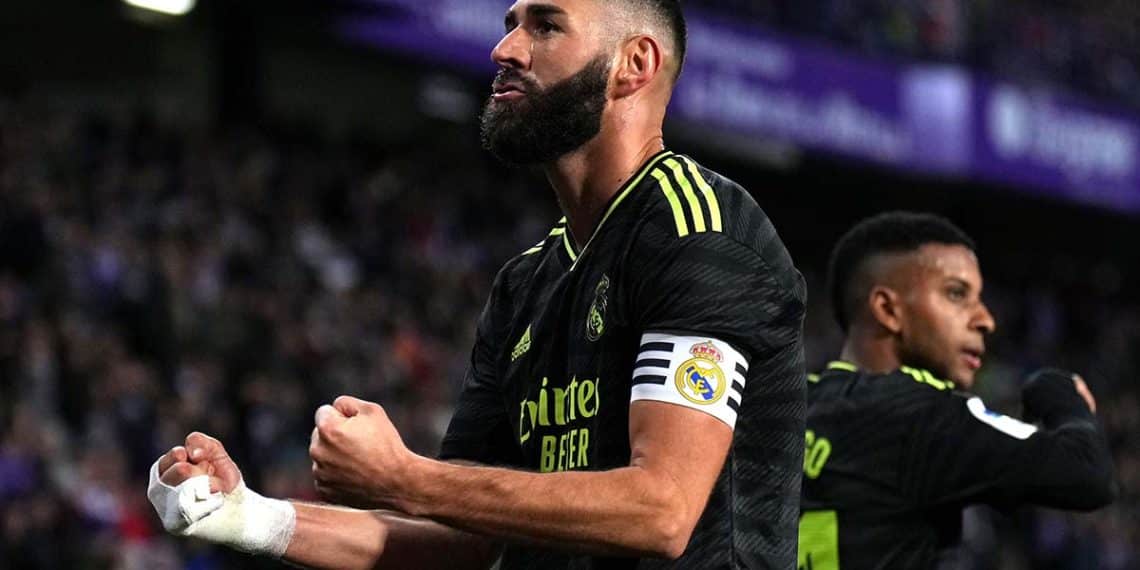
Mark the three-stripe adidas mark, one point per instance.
(693, 201)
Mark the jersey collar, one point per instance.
(919, 375)
(842, 365)
(625, 190)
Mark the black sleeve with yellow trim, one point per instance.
(707, 260)
(480, 429)
(712, 285)
(961, 453)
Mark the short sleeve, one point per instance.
(709, 308)
(715, 286)
(480, 429)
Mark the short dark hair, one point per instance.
(886, 233)
(671, 14)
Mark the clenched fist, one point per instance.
(201, 455)
(197, 490)
(359, 459)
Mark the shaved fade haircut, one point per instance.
(659, 15)
(883, 234)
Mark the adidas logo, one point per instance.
(522, 346)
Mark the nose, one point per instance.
(984, 320)
(513, 51)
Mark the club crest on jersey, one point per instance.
(596, 317)
(700, 379)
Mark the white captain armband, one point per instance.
(696, 372)
(1012, 427)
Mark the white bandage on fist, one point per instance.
(241, 519)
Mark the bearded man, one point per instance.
(635, 397)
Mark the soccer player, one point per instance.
(895, 447)
(635, 397)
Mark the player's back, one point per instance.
(857, 503)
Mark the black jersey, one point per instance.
(684, 294)
(891, 460)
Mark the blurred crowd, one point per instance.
(1087, 47)
(158, 278)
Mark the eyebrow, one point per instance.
(960, 281)
(535, 11)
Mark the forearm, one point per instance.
(647, 509)
(1071, 468)
(335, 537)
(628, 511)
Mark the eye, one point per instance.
(546, 27)
(956, 293)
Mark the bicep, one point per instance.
(684, 448)
(686, 390)
(709, 308)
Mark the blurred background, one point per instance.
(219, 217)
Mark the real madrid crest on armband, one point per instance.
(700, 379)
(596, 317)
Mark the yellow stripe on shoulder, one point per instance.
(707, 192)
(674, 202)
(559, 229)
(690, 196)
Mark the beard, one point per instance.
(547, 124)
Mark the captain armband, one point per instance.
(702, 373)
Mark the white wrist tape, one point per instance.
(240, 519)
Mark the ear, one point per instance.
(640, 60)
(886, 308)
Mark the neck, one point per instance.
(586, 179)
(870, 350)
